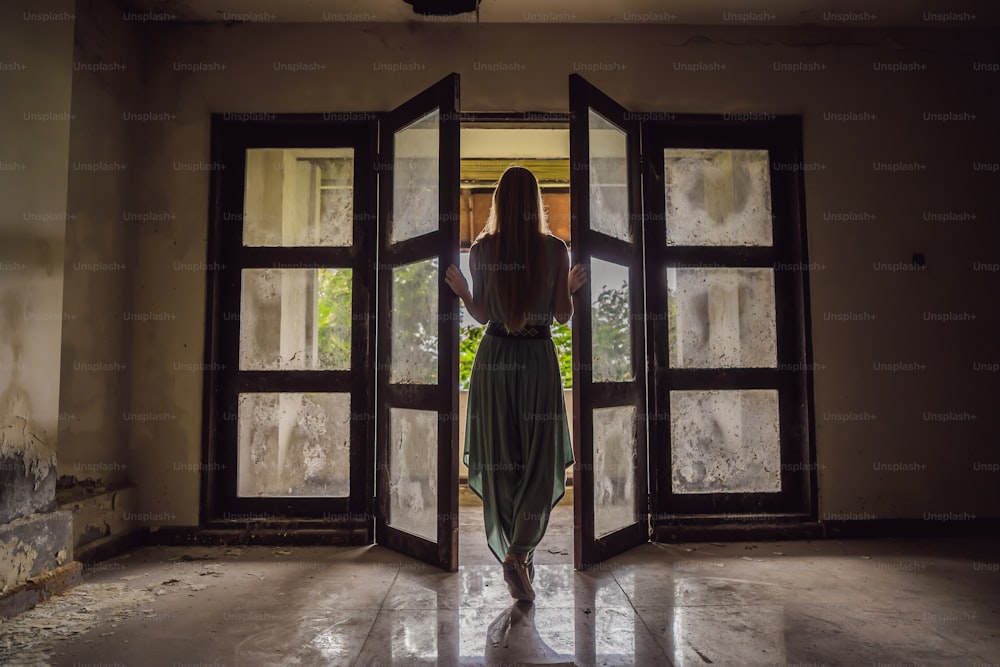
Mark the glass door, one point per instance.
(288, 328)
(417, 348)
(726, 299)
(609, 377)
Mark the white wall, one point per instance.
(527, 68)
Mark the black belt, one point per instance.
(535, 332)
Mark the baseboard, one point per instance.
(781, 528)
(291, 536)
(738, 532)
(968, 527)
(37, 589)
(108, 547)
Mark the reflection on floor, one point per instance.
(820, 602)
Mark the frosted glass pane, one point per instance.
(295, 319)
(611, 315)
(721, 318)
(299, 197)
(415, 323)
(614, 468)
(725, 441)
(413, 446)
(415, 187)
(608, 178)
(294, 444)
(717, 197)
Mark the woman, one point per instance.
(517, 444)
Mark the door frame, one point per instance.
(353, 520)
(344, 520)
(781, 135)
(443, 243)
(589, 548)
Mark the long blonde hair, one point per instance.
(512, 239)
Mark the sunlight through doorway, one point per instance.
(487, 148)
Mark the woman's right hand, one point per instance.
(577, 278)
(456, 281)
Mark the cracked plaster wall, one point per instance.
(34, 140)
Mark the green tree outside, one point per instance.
(415, 285)
(333, 288)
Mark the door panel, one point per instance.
(417, 351)
(609, 399)
(727, 320)
(288, 336)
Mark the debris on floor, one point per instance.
(187, 558)
(30, 638)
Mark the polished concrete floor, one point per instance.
(864, 602)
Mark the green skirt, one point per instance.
(517, 444)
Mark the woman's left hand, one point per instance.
(577, 278)
(456, 281)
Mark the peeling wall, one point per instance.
(34, 150)
(17, 443)
(98, 513)
(35, 112)
(33, 545)
(17, 559)
(27, 473)
(198, 69)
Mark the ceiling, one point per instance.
(830, 13)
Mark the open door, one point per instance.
(417, 341)
(609, 371)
